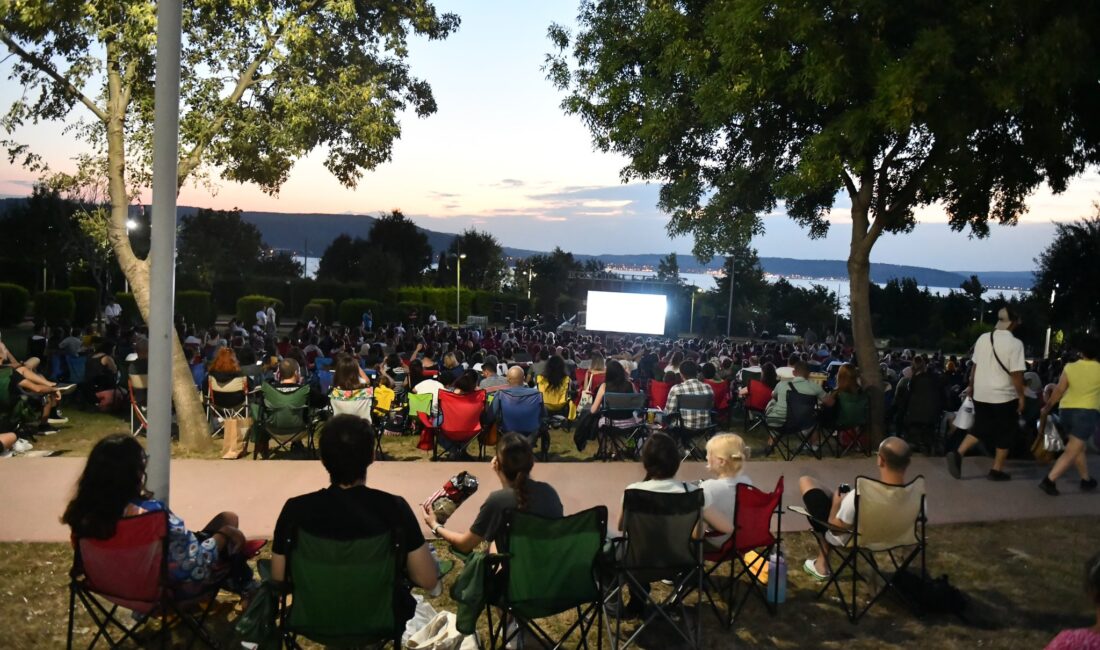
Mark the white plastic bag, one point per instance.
(423, 615)
(441, 633)
(964, 418)
(1052, 440)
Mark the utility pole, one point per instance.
(729, 309)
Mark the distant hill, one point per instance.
(295, 231)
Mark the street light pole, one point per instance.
(729, 309)
(458, 290)
(691, 323)
(1046, 346)
(529, 276)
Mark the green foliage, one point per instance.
(130, 311)
(351, 311)
(247, 306)
(327, 313)
(195, 307)
(972, 287)
(551, 278)
(313, 310)
(86, 305)
(1069, 270)
(668, 268)
(54, 307)
(483, 267)
(399, 244)
(216, 245)
(14, 301)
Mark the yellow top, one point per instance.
(1084, 385)
(553, 396)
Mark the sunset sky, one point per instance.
(501, 156)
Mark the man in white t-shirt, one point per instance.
(997, 386)
(839, 508)
(261, 318)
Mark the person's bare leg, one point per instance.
(1074, 454)
(7, 441)
(32, 363)
(999, 458)
(968, 442)
(29, 375)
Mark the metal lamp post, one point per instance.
(1046, 346)
(458, 289)
(691, 323)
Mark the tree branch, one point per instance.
(45, 68)
(849, 184)
(884, 174)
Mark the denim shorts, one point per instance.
(1080, 423)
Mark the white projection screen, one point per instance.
(632, 313)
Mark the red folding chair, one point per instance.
(460, 422)
(580, 374)
(756, 403)
(657, 394)
(130, 570)
(722, 397)
(138, 386)
(752, 532)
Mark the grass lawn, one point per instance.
(1021, 589)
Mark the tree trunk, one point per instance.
(863, 338)
(193, 428)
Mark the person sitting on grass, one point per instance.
(512, 464)
(347, 509)
(838, 509)
(112, 487)
(726, 456)
(1085, 638)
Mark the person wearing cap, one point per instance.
(997, 387)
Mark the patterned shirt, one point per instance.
(691, 418)
(191, 563)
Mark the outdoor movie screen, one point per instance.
(633, 313)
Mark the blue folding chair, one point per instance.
(325, 379)
(524, 414)
(322, 363)
(76, 365)
(198, 373)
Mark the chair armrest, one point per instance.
(806, 513)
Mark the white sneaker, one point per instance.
(21, 446)
(56, 422)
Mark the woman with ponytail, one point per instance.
(512, 464)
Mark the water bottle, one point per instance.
(438, 589)
(777, 577)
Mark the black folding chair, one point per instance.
(693, 440)
(617, 441)
(796, 433)
(659, 542)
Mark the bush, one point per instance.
(351, 311)
(314, 310)
(226, 293)
(328, 307)
(86, 300)
(14, 300)
(247, 306)
(54, 307)
(195, 307)
(130, 311)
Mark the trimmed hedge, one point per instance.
(130, 311)
(195, 308)
(329, 307)
(247, 306)
(86, 301)
(351, 311)
(14, 301)
(313, 310)
(54, 307)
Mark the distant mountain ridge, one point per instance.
(287, 231)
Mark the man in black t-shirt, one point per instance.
(348, 509)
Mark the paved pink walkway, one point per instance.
(35, 490)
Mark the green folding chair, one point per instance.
(549, 567)
(341, 593)
(284, 418)
(16, 410)
(419, 403)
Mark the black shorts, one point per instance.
(819, 504)
(996, 424)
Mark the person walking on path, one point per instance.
(1079, 393)
(997, 387)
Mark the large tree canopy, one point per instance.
(743, 107)
(263, 83)
(399, 239)
(1069, 272)
(483, 267)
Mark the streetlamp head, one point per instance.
(462, 256)
(131, 224)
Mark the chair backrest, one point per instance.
(419, 403)
(127, 569)
(229, 394)
(753, 515)
(887, 515)
(520, 413)
(361, 405)
(657, 392)
(322, 363)
(552, 562)
(747, 376)
(6, 399)
(852, 410)
(76, 366)
(324, 378)
(801, 411)
(461, 413)
(703, 402)
(659, 529)
(285, 413)
(139, 389)
(926, 399)
(618, 406)
(759, 395)
(721, 393)
(343, 590)
(198, 373)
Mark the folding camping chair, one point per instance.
(849, 431)
(18, 411)
(694, 441)
(755, 403)
(659, 543)
(284, 418)
(226, 401)
(198, 374)
(551, 566)
(752, 516)
(621, 432)
(138, 386)
(359, 403)
(129, 570)
(523, 414)
(922, 414)
(723, 397)
(460, 422)
(890, 520)
(419, 403)
(341, 592)
(657, 394)
(800, 425)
